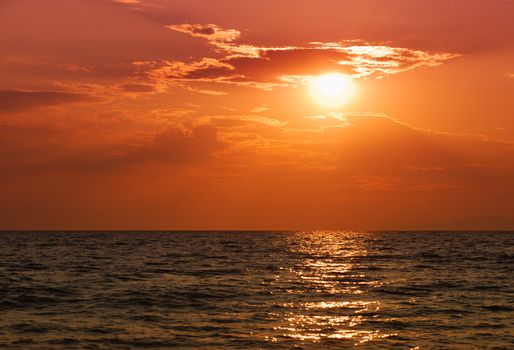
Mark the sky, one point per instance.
(200, 115)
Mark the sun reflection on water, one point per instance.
(333, 288)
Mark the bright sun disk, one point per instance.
(332, 89)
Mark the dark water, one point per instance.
(229, 290)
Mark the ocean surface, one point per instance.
(257, 290)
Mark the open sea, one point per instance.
(256, 290)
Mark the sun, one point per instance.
(332, 89)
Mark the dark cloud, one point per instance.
(28, 150)
(137, 88)
(17, 100)
(179, 146)
(282, 65)
(271, 65)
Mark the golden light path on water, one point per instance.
(325, 270)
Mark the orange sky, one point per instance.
(168, 114)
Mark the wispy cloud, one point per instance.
(266, 67)
(211, 32)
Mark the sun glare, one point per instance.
(332, 89)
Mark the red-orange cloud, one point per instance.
(18, 100)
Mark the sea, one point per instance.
(257, 290)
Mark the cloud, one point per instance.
(31, 149)
(355, 165)
(366, 59)
(373, 152)
(179, 146)
(18, 100)
(259, 109)
(241, 121)
(379, 152)
(207, 92)
(137, 88)
(265, 67)
(210, 32)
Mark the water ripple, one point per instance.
(256, 290)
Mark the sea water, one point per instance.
(257, 290)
